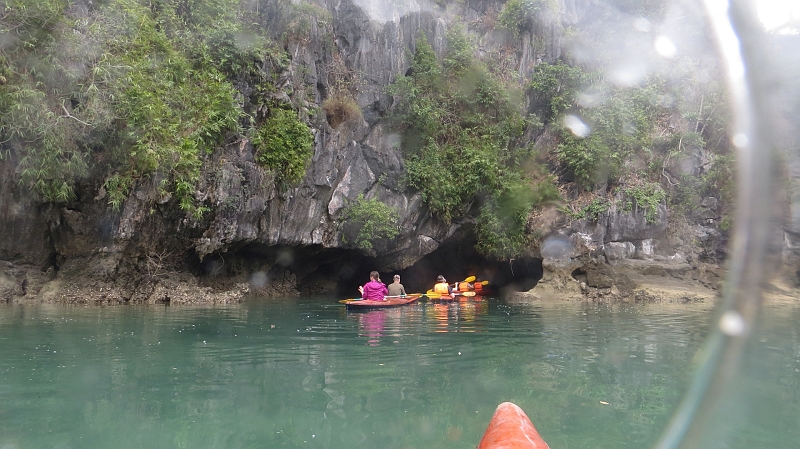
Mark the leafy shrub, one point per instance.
(463, 140)
(619, 127)
(517, 15)
(31, 118)
(450, 176)
(173, 114)
(589, 159)
(592, 210)
(501, 228)
(648, 197)
(138, 102)
(52, 159)
(374, 219)
(284, 144)
(459, 127)
(30, 23)
(460, 51)
(717, 181)
(557, 86)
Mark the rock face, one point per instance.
(264, 238)
(285, 239)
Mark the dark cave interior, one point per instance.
(339, 272)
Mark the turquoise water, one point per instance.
(305, 373)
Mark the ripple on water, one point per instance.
(428, 375)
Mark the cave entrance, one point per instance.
(458, 260)
(314, 270)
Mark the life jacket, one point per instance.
(478, 286)
(463, 286)
(442, 288)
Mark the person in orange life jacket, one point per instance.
(374, 290)
(463, 286)
(442, 286)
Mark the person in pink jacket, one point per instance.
(374, 290)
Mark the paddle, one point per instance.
(470, 279)
(434, 295)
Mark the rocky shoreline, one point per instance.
(629, 281)
(633, 281)
(638, 282)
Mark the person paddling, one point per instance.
(396, 288)
(374, 290)
(442, 286)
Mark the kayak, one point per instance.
(434, 296)
(510, 428)
(390, 301)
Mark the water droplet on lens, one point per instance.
(642, 24)
(665, 47)
(732, 323)
(258, 279)
(576, 125)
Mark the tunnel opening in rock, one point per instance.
(315, 270)
(458, 260)
(579, 275)
(285, 270)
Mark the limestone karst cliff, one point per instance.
(232, 225)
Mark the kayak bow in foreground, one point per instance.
(510, 428)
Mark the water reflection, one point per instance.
(440, 315)
(463, 315)
(306, 373)
(383, 326)
(371, 325)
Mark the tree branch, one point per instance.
(68, 115)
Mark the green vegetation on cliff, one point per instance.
(373, 219)
(517, 16)
(284, 144)
(633, 137)
(127, 92)
(131, 90)
(463, 140)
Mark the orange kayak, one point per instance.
(510, 428)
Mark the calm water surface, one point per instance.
(305, 373)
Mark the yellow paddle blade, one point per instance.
(431, 294)
(467, 293)
(470, 279)
(484, 282)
